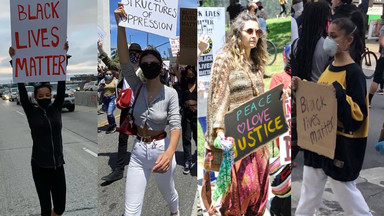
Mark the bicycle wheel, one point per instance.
(272, 52)
(368, 63)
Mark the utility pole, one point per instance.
(147, 39)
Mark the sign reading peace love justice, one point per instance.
(256, 122)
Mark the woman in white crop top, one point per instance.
(156, 104)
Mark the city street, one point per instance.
(111, 195)
(18, 193)
(371, 179)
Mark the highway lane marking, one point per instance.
(90, 152)
(20, 113)
(105, 122)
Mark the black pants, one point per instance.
(281, 206)
(50, 183)
(283, 9)
(379, 71)
(189, 125)
(123, 143)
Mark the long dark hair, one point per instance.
(315, 19)
(353, 24)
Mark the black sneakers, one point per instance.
(114, 176)
(187, 167)
(111, 129)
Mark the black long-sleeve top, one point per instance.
(45, 125)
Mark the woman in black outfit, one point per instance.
(188, 91)
(47, 162)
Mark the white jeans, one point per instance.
(312, 188)
(143, 158)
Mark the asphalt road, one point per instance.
(371, 179)
(18, 193)
(111, 195)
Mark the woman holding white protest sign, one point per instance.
(236, 77)
(349, 83)
(153, 151)
(47, 161)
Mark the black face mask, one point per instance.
(191, 80)
(150, 71)
(44, 103)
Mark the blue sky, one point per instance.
(141, 37)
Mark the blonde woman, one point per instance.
(237, 76)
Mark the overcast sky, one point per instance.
(82, 37)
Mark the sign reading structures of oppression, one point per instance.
(39, 32)
(154, 16)
(316, 108)
(188, 36)
(256, 122)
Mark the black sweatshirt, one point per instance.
(45, 125)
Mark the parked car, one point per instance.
(91, 86)
(1, 92)
(69, 100)
(14, 92)
(73, 87)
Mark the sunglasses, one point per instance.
(250, 31)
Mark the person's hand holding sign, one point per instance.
(120, 12)
(295, 83)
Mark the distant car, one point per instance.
(73, 87)
(1, 92)
(14, 92)
(91, 86)
(6, 95)
(30, 95)
(69, 100)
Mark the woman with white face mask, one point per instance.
(347, 78)
(109, 84)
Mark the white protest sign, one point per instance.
(153, 16)
(285, 139)
(100, 33)
(211, 21)
(175, 45)
(39, 32)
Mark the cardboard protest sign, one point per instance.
(285, 139)
(256, 122)
(154, 16)
(39, 32)
(316, 108)
(188, 36)
(175, 45)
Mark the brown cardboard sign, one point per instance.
(316, 108)
(256, 122)
(188, 36)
